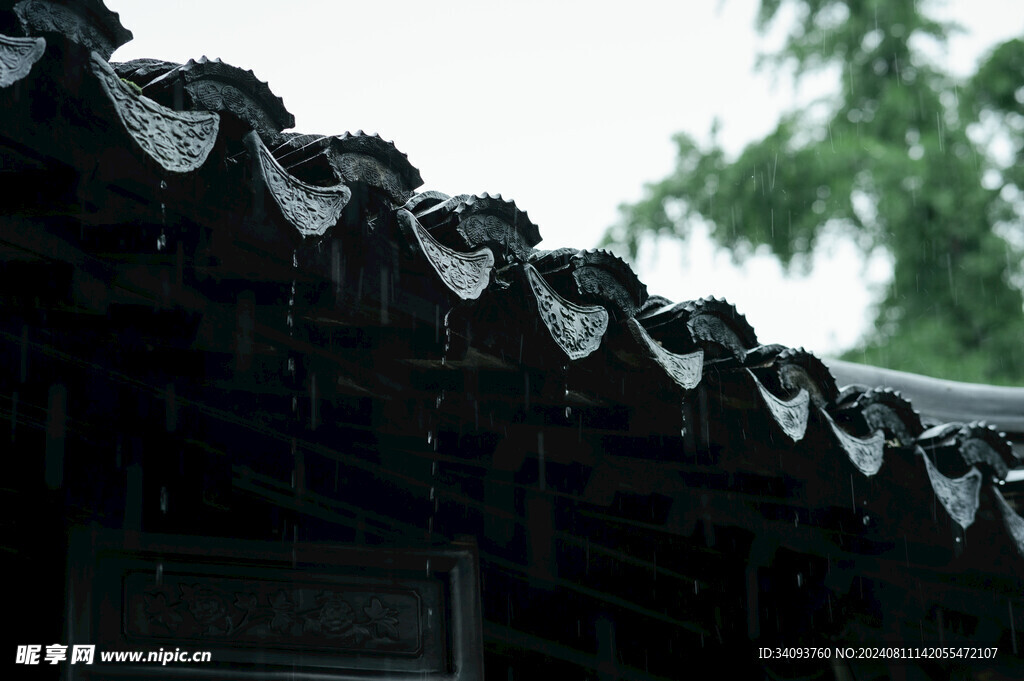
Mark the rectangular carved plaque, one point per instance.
(265, 610)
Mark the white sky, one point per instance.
(567, 107)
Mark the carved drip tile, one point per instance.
(791, 415)
(17, 55)
(865, 453)
(577, 329)
(317, 611)
(1014, 523)
(310, 209)
(684, 370)
(179, 141)
(959, 496)
(465, 274)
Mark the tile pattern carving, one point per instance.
(179, 141)
(310, 209)
(959, 496)
(86, 22)
(791, 415)
(465, 274)
(685, 370)
(17, 55)
(576, 329)
(865, 453)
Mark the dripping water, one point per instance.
(161, 241)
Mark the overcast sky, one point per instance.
(567, 107)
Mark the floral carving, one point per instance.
(17, 55)
(959, 496)
(310, 209)
(791, 415)
(465, 274)
(865, 453)
(576, 329)
(179, 141)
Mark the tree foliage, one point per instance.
(899, 159)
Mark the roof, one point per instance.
(151, 191)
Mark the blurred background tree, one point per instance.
(904, 158)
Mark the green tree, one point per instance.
(891, 163)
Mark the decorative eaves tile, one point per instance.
(594, 277)
(684, 370)
(959, 496)
(465, 221)
(975, 443)
(1011, 520)
(179, 141)
(791, 415)
(866, 454)
(464, 274)
(309, 209)
(576, 329)
(86, 22)
(212, 85)
(17, 55)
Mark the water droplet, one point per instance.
(431, 492)
(159, 573)
(430, 437)
(428, 567)
(568, 412)
(867, 520)
(957, 540)
(161, 242)
(163, 185)
(163, 500)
